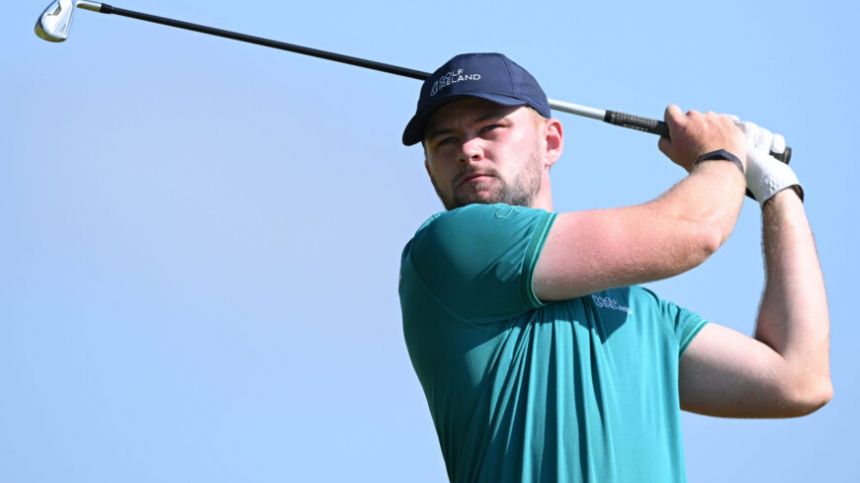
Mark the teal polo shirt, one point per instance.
(579, 390)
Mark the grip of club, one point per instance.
(637, 122)
(659, 127)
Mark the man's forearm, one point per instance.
(710, 197)
(793, 318)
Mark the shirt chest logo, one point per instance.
(610, 303)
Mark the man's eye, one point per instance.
(490, 127)
(446, 141)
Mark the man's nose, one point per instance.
(472, 149)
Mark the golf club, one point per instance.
(54, 23)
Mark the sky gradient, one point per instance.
(200, 239)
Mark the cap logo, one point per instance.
(452, 77)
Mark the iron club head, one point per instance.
(53, 25)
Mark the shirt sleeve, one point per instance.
(685, 323)
(478, 260)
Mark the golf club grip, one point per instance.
(659, 127)
(637, 122)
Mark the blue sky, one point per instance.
(201, 238)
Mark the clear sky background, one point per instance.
(200, 239)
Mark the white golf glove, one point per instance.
(766, 175)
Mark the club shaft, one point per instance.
(275, 44)
(562, 106)
(630, 121)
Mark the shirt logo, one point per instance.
(610, 303)
(452, 77)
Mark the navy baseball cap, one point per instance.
(491, 76)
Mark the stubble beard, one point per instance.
(521, 191)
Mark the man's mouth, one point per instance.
(474, 178)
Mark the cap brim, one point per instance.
(414, 132)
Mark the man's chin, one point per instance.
(480, 198)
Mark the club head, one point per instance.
(53, 25)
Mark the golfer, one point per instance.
(541, 357)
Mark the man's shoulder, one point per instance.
(475, 210)
(477, 225)
(476, 216)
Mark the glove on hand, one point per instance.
(766, 175)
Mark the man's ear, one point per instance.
(554, 141)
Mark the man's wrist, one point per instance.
(793, 191)
(721, 155)
(767, 177)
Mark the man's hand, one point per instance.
(694, 134)
(766, 175)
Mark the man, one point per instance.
(540, 356)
